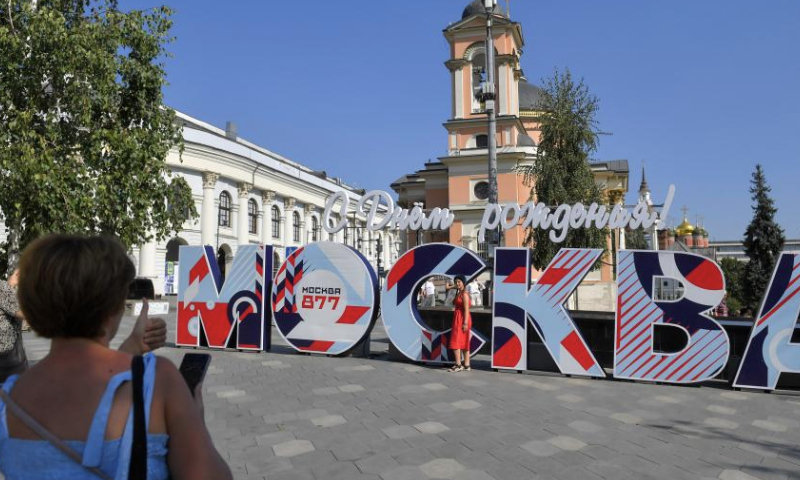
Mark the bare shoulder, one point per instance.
(166, 372)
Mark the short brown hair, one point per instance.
(69, 285)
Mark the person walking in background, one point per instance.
(429, 291)
(12, 352)
(75, 414)
(462, 323)
(474, 290)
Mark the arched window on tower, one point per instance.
(296, 227)
(252, 216)
(478, 76)
(224, 209)
(276, 222)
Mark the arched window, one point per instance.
(483, 250)
(276, 263)
(296, 226)
(314, 229)
(481, 141)
(252, 216)
(478, 76)
(276, 222)
(224, 209)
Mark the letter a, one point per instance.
(770, 351)
(516, 304)
(642, 275)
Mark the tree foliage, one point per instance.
(84, 133)
(734, 273)
(763, 242)
(635, 239)
(561, 172)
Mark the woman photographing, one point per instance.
(86, 411)
(462, 324)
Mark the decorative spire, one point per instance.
(643, 187)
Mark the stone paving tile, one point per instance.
(400, 431)
(466, 404)
(772, 426)
(626, 418)
(293, 448)
(431, 427)
(736, 475)
(403, 472)
(442, 468)
(721, 423)
(540, 448)
(329, 421)
(567, 443)
(721, 409)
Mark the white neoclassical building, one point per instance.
(246, 194)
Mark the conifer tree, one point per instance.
(763, 242)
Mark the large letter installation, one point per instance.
(325, 298)
(770, 351)
(516, 303)
(211, 310)
(638, 310)
(404, 325)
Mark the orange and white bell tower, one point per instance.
(467, 154)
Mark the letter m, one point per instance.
(231, 314)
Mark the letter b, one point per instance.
(642, 303)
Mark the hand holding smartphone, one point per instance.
(193, 369)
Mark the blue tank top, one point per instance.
(22, 459)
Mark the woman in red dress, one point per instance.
(462, 323)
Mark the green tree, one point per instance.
(84, 133)
(635, 239)
(763, 242)
(561, 172)
(734, 271)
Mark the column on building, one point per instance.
(371, 246)
(387, 257)
(267, 197)
(456, 67)
(503, 70)
(308, 224)
(288, 224)
(619, 199)
(147, 260)
(243, 232)
(208, 220)
(338, 236)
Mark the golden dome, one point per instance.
(685, 228)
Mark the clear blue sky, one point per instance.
(698, 91)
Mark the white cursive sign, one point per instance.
(505, 216)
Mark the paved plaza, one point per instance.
(281, 416)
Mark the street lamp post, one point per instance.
(488, 97)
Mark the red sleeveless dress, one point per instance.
(459, 339)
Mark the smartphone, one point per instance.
(193, 368)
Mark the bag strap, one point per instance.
(45, 434)
(138, 463)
